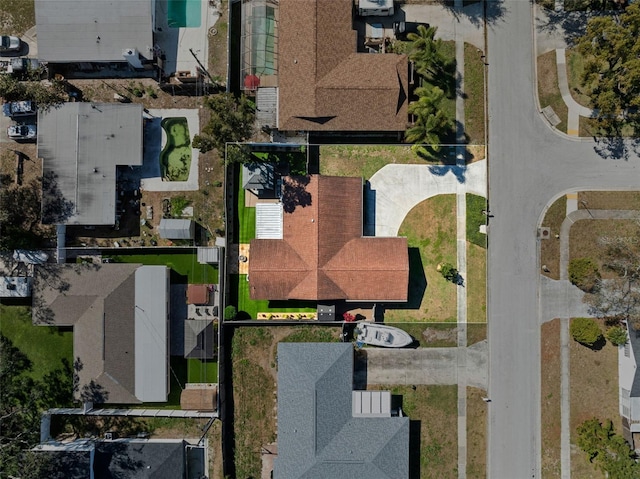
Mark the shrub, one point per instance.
(179, 203)
(584, 273)
(230, 312)
(449, 272)
(617, 336)
(586, 331)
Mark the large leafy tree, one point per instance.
(612, 67)
(608, 451)
(231, 121)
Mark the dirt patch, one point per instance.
(436, 335)
(550, 398)
(594, 393)
(550, 248)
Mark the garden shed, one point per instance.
(176, 229)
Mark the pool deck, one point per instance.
(154, 140)
(176, 42)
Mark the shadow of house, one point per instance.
(122, 459)
(322, 253)
(119, 315)
(81, 145)
(327, 429)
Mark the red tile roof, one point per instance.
(197, 294)
(323, 84)
(323, 254)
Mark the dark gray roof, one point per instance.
(176, 228)
(258, 176)
(199, 340)
(93, 30)
(140, 460)
(634, 339)
(317, 436)
(81, 144)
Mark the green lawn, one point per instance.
(430, 228)
(45, 346)
(246, 216)
(185, 264)
(475, 218)
(239, 287)
(202, 371)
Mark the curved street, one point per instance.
(529, 166)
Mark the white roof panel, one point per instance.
(269, 220)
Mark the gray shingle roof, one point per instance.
(99, 301)
(81, 144)
(317, 436)
(176, 229)
(93, 30)
(198, 339)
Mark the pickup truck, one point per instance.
(19, 109)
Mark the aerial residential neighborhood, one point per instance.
(319, 239)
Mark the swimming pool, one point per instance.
(184, 13)
(175, 158)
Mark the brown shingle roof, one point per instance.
(99, 302)
(323, 254)
(197, 294)
(324, 85)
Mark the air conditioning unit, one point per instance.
(110, 436)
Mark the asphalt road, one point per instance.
(529, 167)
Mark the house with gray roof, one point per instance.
(96, 31)
(120, 319)
(81, 145)
(124, 459)
(326, 430)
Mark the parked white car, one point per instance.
(22, 132)
(9, 44)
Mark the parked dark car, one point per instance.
(402, 29)
(19, 109)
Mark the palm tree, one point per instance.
(428, 129)
(429, 99)
(426, 52)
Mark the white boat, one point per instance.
(377, 334)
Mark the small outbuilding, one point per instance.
(176, 229)
(199, 339)
(198, 294)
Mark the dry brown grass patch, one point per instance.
(476, 434)
(594, 393)
(550, 398)
(548, 90)
(609, 200)
(550, 248)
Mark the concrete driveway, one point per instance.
(437, 366)
(395, 189)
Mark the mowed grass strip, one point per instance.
(45, 346)
(432, 335)
(433, 412)
(185, 264)
(364, 160)
(550, 248)
(575, 69)
(548, 90)
(246, 215)
(476, 434)
(550, 398)
(430, 228)
(476, 284)
(609, 200)
(594, 393)
(474, 89)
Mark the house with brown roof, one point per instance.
(322, 253)
(324, 83)
(120, 319)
